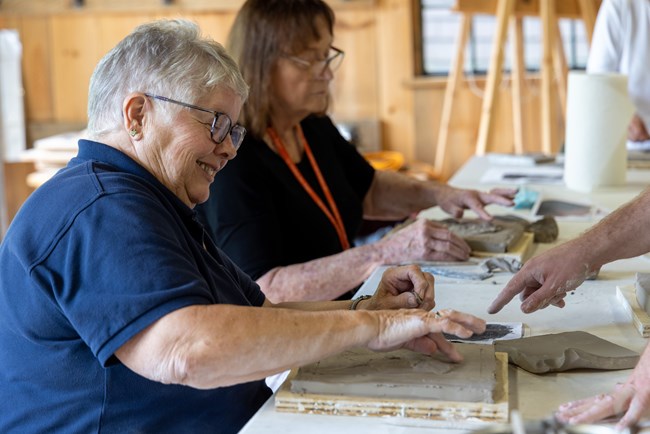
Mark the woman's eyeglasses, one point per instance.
(317, 67)
(222, 125)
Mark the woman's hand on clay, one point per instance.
(421, 331)
(454, 201)
(423, 240)
(403, 287)
(636, 130)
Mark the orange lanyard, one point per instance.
(333, 216)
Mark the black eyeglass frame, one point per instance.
(326, 62)
(240, 131)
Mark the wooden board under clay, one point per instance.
(640, 318)
(496, 411)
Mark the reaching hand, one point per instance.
(636, 130)
(545, 279)
(631, 399)
(421, 331)
(403, 287)
(423, 240)
(455, 201)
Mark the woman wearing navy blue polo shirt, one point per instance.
(117, 312)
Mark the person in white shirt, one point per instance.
(621, 44)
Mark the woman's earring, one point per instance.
(133, 132)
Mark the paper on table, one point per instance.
(523, 175)
(494, 331)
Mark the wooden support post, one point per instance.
(504, 11)
(455, 75)
(547, 13)
(561, 69)
(589, 10)
(517, 78)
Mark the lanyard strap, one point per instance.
(333, 216)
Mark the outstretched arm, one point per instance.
(547, 278)
(405, 287)
(328, 277)
(220, 345)
(393, 195)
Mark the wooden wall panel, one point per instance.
(17, 189)
(354, 90)
(34, 35)
(113, 27)
(214, 24)
(56, 6)
(76, 48)
(395, 66)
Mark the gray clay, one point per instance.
(566, 351)
(496, 236)
(403, 374)
(544, 229)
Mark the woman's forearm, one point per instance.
(221, 345)
(395, 196)
(321, 279)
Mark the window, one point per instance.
(439, 30)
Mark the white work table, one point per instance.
(593, 307)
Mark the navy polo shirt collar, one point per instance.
(94, 151)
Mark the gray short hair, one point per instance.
(167, 57)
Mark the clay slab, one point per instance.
(495, 236)
(403, 374)
(566, 351)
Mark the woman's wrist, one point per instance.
(355, 305)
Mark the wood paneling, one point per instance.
(354, 90)
(34, 35)
(17, 189)
(395, 51)
(64, 47)
(75, 50)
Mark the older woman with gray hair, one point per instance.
(287, 211)
(118, 313)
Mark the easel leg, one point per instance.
(517, 77)
(561, 69)
(547, 13)
(455, 75)
(504, 11)
(589, 10)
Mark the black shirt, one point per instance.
(261, 216)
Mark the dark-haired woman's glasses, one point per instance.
(317, 67)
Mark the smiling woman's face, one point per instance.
(183, 156)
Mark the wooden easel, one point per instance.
(510, 13)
